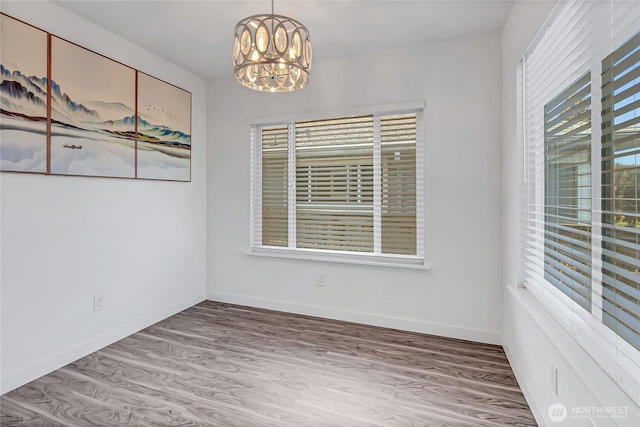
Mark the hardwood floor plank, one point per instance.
(219, 364)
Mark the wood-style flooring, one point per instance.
(218, 364)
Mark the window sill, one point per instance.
(395, 261)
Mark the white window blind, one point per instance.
(340, 185)
(621, 191)
(275, 209)
(334, 184)
(398, 184)
(579, 133)
(567, 184)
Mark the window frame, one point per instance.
(256, 248)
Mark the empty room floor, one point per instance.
(218, 364)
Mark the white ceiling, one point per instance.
(198, 35)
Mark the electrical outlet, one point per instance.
(98, 302)
(320, 280)
(553, 378)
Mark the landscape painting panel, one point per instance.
(92, 113)
(23, 96)
(164, 130)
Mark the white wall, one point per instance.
(532, 338)
(140, 243)
(460, 81)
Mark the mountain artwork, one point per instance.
(93, 113)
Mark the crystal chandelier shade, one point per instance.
(271, 53)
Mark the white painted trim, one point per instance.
(340, 257)
(362, 318)
(395, 108)
(57, 360)
(524, 386)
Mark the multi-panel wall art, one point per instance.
(96, 117)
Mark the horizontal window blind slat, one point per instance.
(553, 230)
(568, 132)
(568, 290)
(622, 309)
(574, 98)
(623, 111)
(630, 260)
(344, 234)
(580, 279)
(577, 144)
(622, 144)
(619, 90)
(624, 63)
(621, 287)
(578, 259)
(631, 273)
(621, 329)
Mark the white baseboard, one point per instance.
(57, 360)
(524, 386)
(363, 318)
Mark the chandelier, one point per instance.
(271, 53)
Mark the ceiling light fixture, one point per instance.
(271, 53)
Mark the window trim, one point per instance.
(395, 108)
(417, 261)
(357, 258)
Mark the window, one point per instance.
(346, 188)
(567, 184)
(621, 191)
(334, 184)
(580, 134)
